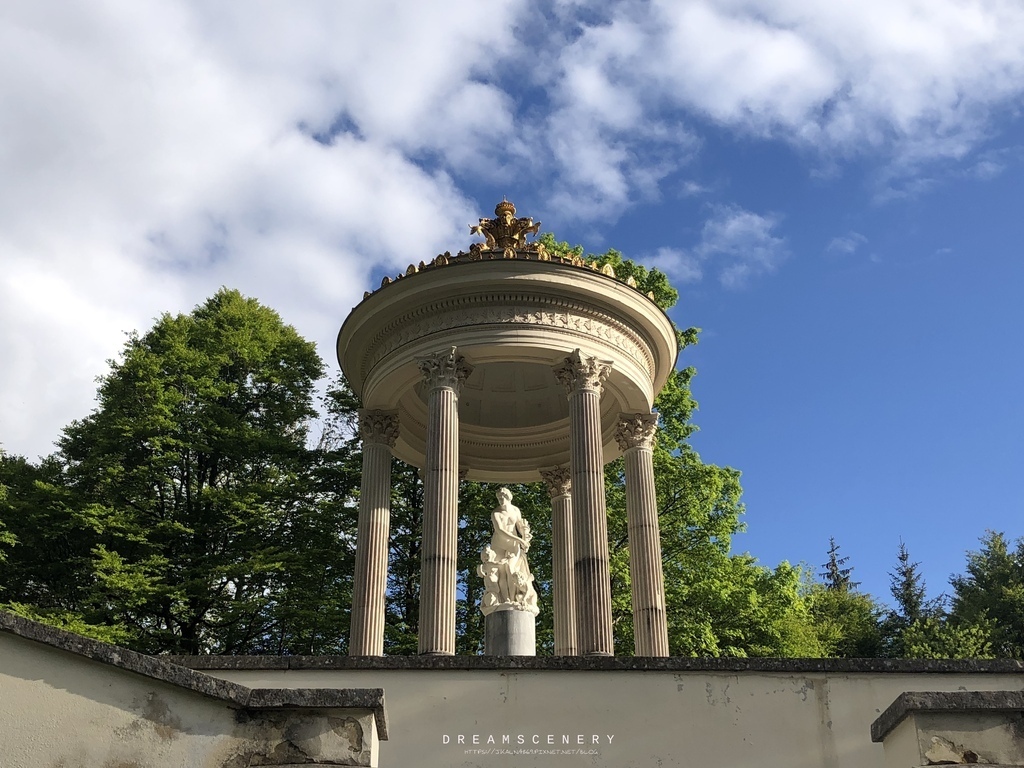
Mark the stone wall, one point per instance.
(69, 702)
(631, 712)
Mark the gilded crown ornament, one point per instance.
(505, 237)
(505, 232)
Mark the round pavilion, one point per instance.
(508, 364)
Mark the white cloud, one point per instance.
(741, 244)
(847, 244)
(735, 243)
(681, 266)
(913, 81)
(153, 152)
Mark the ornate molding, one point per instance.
(583, 374)
(446, 369)
(501, 309)
(380, 427)
(558, 481)
(636, 430)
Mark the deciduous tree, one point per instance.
(194, 463)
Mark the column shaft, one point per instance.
(444, 374)
(366, 637)
(650, 627)
(583, 378)
(563, 586)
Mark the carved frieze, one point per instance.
(500, 309)
(636, 430)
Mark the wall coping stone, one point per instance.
(166, 670)
(617, 663)
(944, 701)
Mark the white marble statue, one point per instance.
(508, 583)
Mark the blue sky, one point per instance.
(835, 189)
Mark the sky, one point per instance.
(835, 188)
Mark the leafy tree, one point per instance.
(992, 590)
(194, 464)
(936, 637)
(46, 571)
(847, 621)
(189, 513)
(719, 603)
(7, 539)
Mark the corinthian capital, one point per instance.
(558, 481)
(378, 427)
(445, 369)
(636, 430)
(583, 374)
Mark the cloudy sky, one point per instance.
(835, 188)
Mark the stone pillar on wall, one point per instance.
(559, 485)
(635, 435)
(444, 374)
(583, 378)
(378, 429)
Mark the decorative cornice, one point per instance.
(525, 252)
(509, 308)
(558, 481)
(378, 427)
(583, 374)
(445, 370)
(636, 430)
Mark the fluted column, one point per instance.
(444, 374)
(378, 429)
(563, 588)
(583, 378)
(635, 435)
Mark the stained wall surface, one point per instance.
(60, 709)
(67, 702)
(797, 715)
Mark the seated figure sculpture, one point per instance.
(508, 583)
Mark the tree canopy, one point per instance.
(207, 505)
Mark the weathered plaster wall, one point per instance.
(806, 716)
(62, 709)
(68, 702)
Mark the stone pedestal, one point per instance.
(510, 633)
